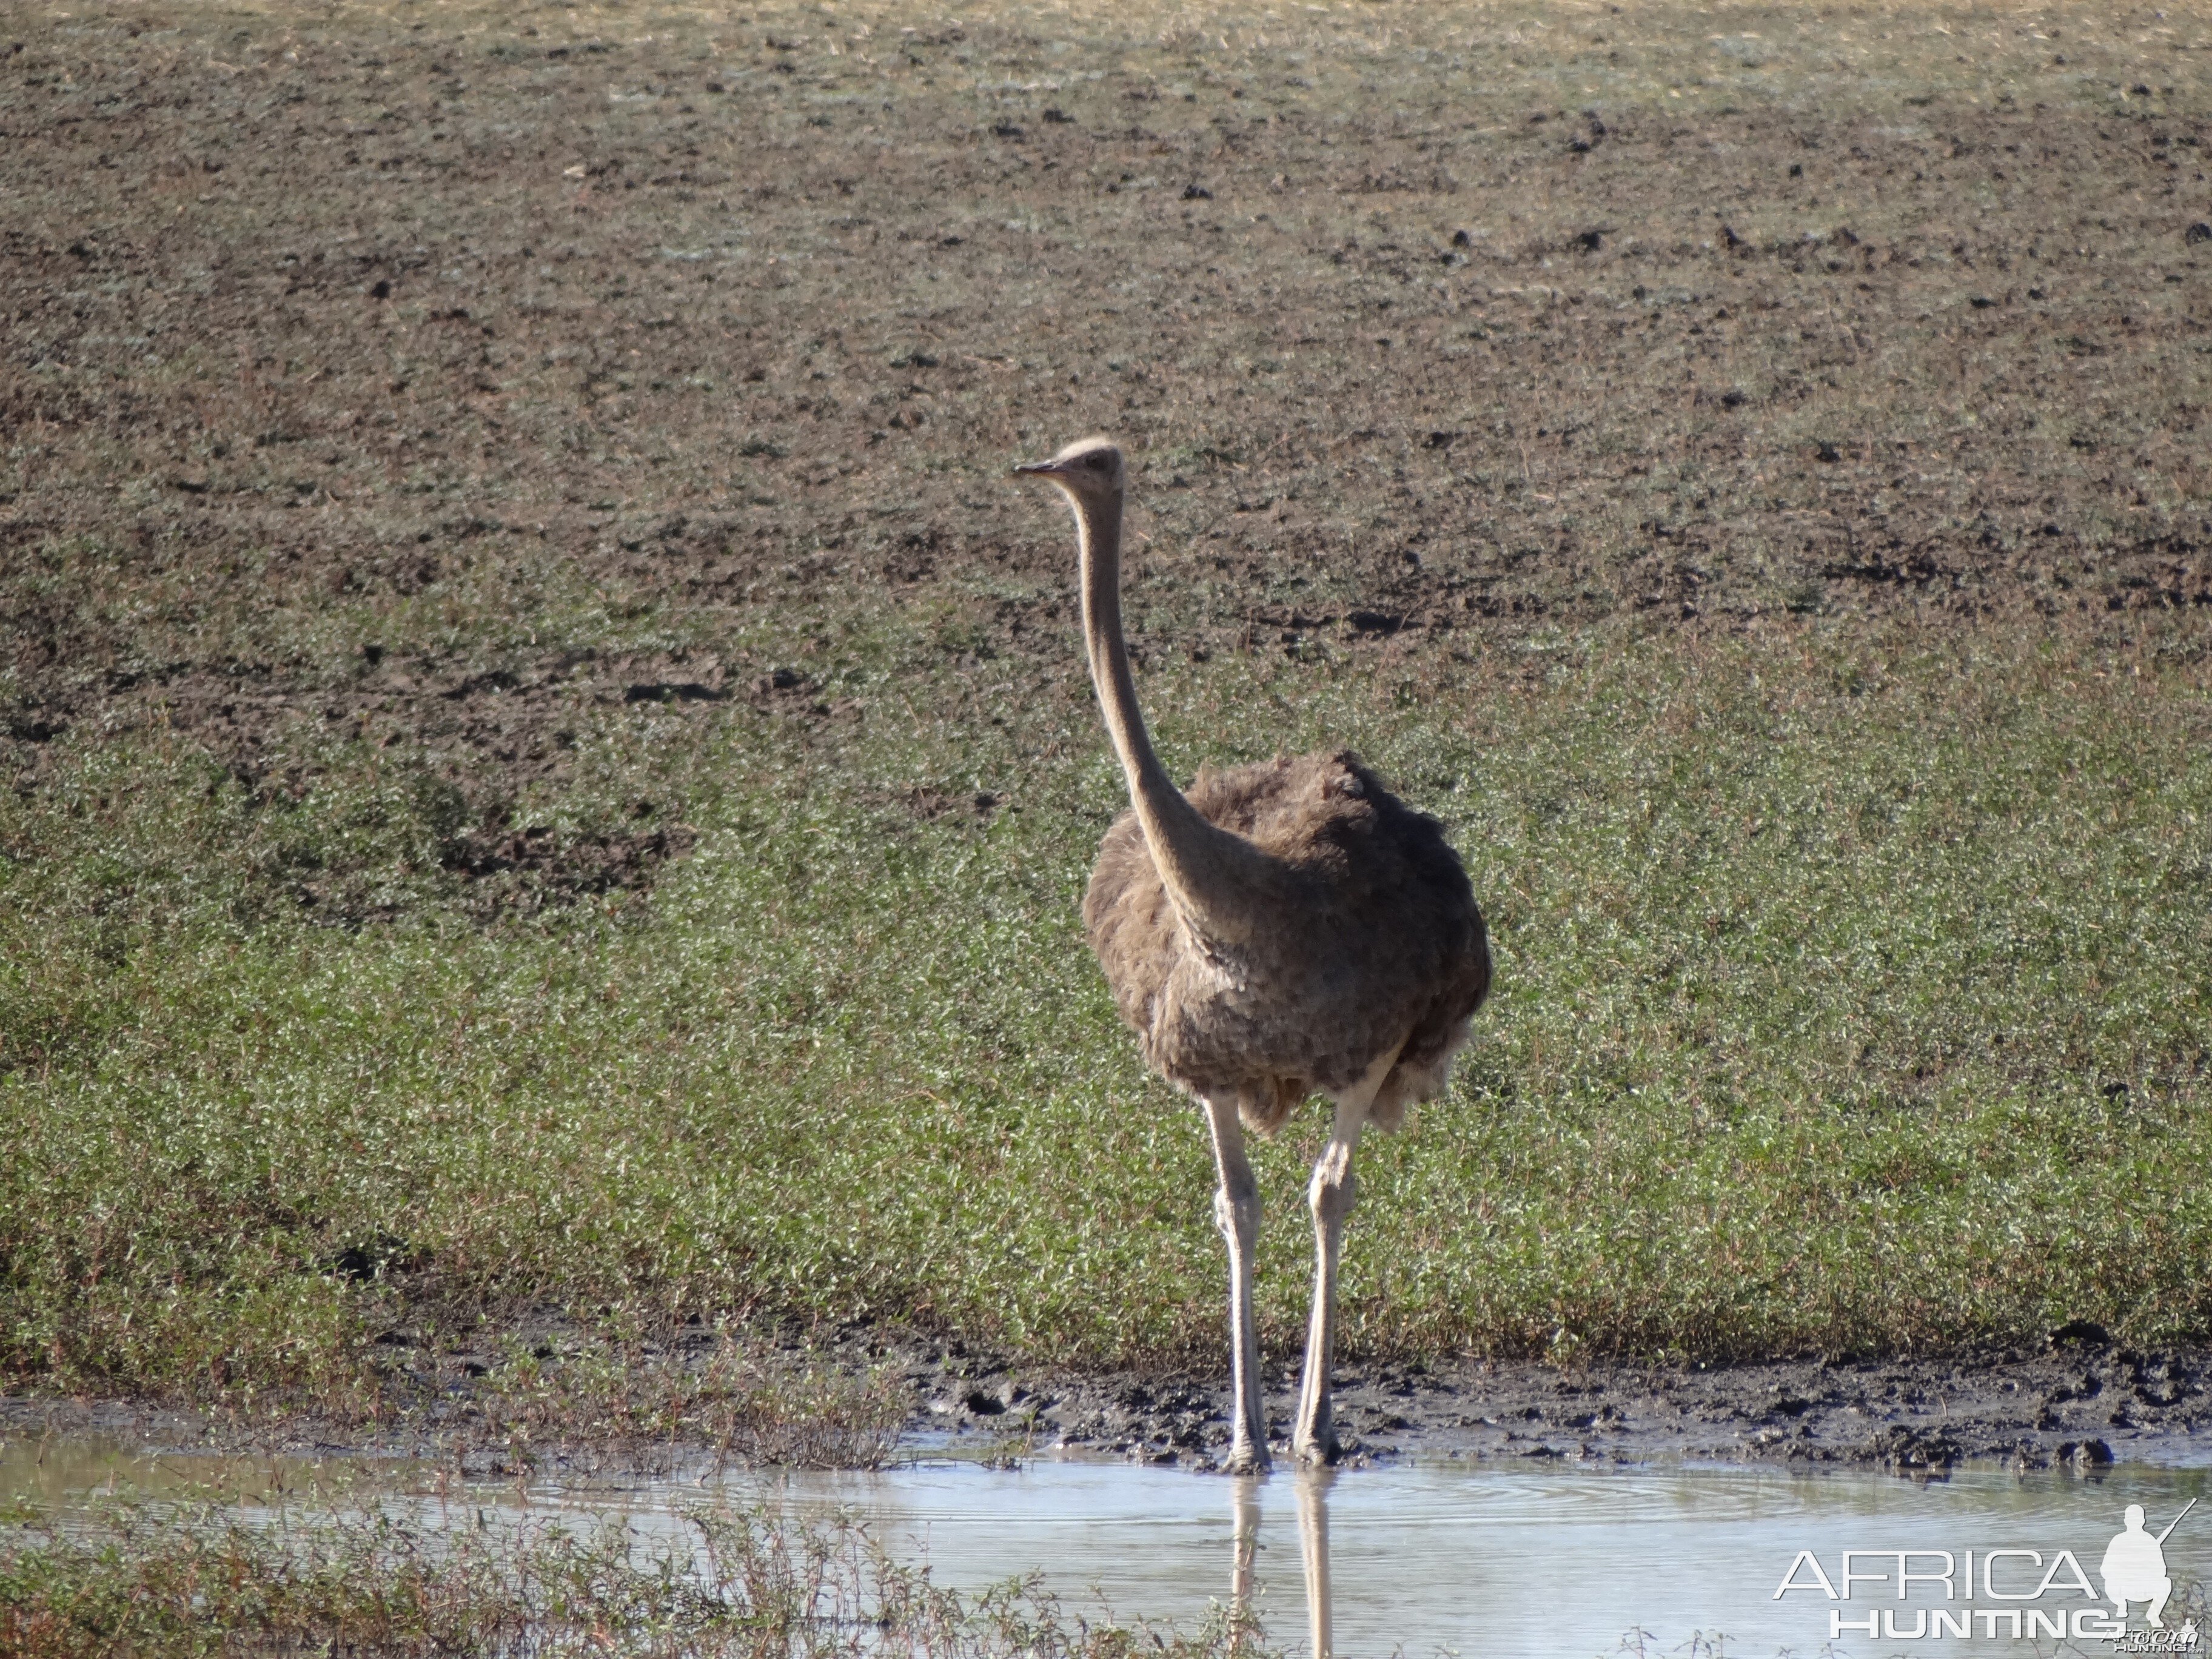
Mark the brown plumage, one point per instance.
(1284, 930)
(1373, 942)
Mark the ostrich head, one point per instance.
(1089, 470)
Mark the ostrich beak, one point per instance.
(1035, 469)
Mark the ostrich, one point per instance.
(1287, 929)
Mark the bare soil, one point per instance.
(345, 361)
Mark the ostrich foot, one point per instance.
(1245, 1459)
(1313, 1431)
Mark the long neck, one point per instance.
(1202, 866)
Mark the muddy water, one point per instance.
(52, 1470)
(1467, 1557)
(1540, 1562)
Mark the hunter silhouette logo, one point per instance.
(2135, 1566)
(2007, 1593)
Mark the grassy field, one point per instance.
(551, 769)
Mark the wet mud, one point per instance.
(2079, 1403)
(2075, 1404)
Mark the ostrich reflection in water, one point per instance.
(1313, 1549)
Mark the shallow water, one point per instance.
(51, 1469)
(1464, 1557)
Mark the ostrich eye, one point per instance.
(1096, 462)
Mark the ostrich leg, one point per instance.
(1236, 1213)
(1331, 1194)
(1313, 1542)
(1244, 1523)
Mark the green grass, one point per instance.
(190, 1582)
(1778, 431)
(1850, 995)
